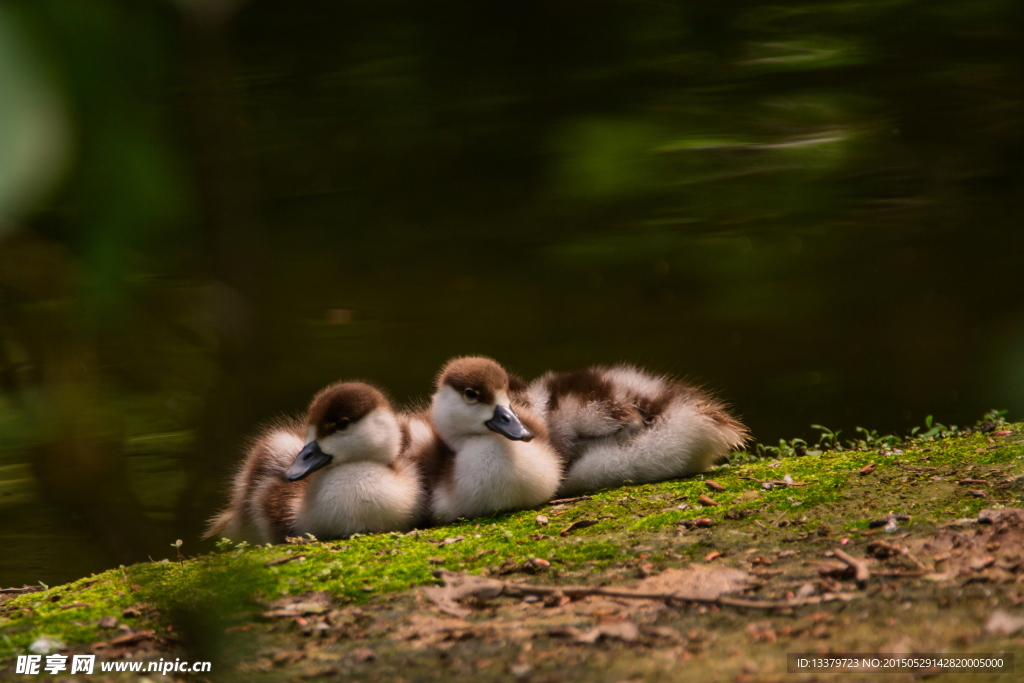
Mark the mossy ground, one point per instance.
(208, 607)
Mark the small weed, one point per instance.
(995, 416)
(828, 439)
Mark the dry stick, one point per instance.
(562, 501)
(283, 560)
(904, 552)
(779, 482)
(578, 591)
(860, 569)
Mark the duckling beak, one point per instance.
(506, 423)
(308, 461)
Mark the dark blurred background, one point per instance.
(210, 209)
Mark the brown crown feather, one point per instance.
(343, 400)
(482, 374)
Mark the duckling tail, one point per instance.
(218, 525)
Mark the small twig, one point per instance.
(482, 553)
(283, 560)
(562, 501)
(779, 482)
(860, 569)
(580, 591)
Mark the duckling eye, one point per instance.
(471, 394)
(342, 424)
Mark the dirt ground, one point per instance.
(861, 552)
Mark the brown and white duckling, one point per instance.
(338, 472)
(487, 454)
(619, 424)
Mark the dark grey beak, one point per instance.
(508, 425)
(308, 461)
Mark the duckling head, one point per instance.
(347, 421)
(472, 399)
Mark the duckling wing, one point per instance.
(619, 424)
(426, 453)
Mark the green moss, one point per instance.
(633, 521)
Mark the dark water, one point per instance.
(812, 209)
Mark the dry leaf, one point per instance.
(297, 606)
(581, 524)
(133, 638)
(620, 630)
(1003, 623)
(459, 587)
(450, 541)
(363, 654)
(696, 582)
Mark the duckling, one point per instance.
(613, 425)
(336, 473)
(487, 453)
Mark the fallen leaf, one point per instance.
(663, 632)
(712, 556)
(363, 654)
(714, 485)
(701, 522)
(990, 516)
(1003, 623)
(979, 563)
(425, 631)
(696, 582)
(287, 656)
(75, 605)
(761, 632)
(299, 605)
(133, 638)
(459, 587)
(805, 591)
(868, 469)
(44, 645)
(581, 524)
(620, 630)
(705, 500)
(450, 541)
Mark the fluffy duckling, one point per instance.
(619, 424)
(336, 473)
(487, 454)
